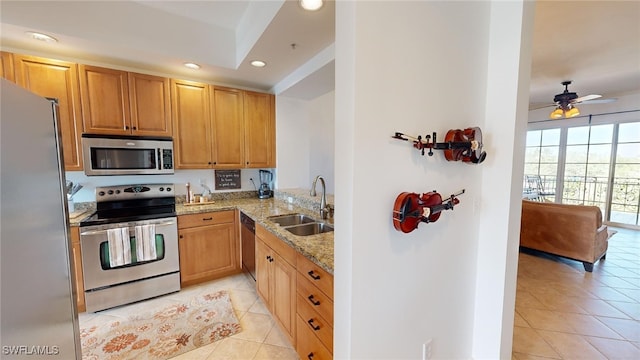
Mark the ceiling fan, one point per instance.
(565, 102)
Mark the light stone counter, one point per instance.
(317, 248)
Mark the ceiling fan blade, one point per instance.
(585, 98)
(540, 106)
(599, 101)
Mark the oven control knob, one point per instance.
(110, 192)
(101, 193)
(117, 191)
(161, 188)
(168, 189)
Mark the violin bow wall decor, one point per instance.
(410, 209)
(459, 145)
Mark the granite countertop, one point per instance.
(317, 248)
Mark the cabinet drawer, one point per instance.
(279, 246)
(316, 323)
(318, 276)
(315, 298)
(308, 345)
(208, 218)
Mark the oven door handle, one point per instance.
(97, 232)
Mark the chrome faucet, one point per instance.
(325, 209)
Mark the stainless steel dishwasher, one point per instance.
(248, 236)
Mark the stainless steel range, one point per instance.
(130, 245)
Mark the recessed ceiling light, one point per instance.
(311, 5)
(258, 63)
(191, 65)
(41, 36)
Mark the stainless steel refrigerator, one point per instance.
(38, 314)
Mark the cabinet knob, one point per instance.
(181, 236)
(126, 127)
(135, 128)
(310, 356)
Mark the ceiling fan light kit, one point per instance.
(565, 101)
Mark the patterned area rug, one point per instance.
(172, 328)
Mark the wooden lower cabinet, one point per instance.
(76, 265)
(276, 279)
(208, 245)
(314, 310)
(309, 346)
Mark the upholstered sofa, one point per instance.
(571, 231)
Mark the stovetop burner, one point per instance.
(126, 203)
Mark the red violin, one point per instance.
(460, 145)
(410, 209)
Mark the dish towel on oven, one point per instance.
(146, 242)
(119, 246)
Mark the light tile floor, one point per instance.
(563, 312)
(260, 337)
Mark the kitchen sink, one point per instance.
(309, 229)
(291, 219)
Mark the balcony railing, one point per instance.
(625, 199)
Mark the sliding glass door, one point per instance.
(586, 164)
(625, 201)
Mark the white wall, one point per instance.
(292, 142)
(429, 69)
(322, 140)
(305, 146)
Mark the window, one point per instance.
(596, 164)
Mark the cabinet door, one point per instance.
(150, 105)
(263, 283)
(259, 120)
(76, 266)
(228, 128)
(191, 125)
(105, 100)
(207, 252)
(284, 295)
(56, 79)
(6, 66)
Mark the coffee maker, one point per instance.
(265, 191)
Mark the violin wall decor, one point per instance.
(459, 145)
(410, 209)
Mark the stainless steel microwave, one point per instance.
(127, 155)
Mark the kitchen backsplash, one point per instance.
(179, 179)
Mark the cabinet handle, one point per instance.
(313, 275)
(314, 327)
(269, 258)
(207, 219)
(313, 301)
(310, 356)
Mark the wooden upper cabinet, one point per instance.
(259, 122)
(191, 125)
(56, 79)
(6, 66)
(124, 103)
(228, 128)
(105, 100)
(150, 105)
